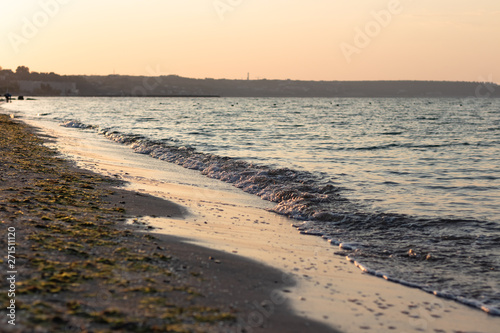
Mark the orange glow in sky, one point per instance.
(456, 40)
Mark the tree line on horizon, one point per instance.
(174, 85)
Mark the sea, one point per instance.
(408, 189)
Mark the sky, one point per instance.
(452, 40)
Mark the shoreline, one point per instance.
(350, 296)
(79, 265)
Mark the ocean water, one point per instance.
(408, 189)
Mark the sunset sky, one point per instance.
(457, 40)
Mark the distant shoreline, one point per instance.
(29, 83)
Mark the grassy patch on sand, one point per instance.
(79, 269)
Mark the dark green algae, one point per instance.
(79, 268)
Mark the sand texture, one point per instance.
(81, 268)
(318, 283)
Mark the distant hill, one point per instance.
(24, 82)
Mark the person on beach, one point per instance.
(7, 97)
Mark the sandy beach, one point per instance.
(219, 227)
(233, 166)
(74, 265)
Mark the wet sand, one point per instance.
(79, 267)
(219, 217)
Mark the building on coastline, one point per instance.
(47, 88)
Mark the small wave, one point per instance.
(490, 309)
(146, 119)
(75, 124)
(297, 193)
(201, 133)
(409, 145)
(391, 133)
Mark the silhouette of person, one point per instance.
(7, 97)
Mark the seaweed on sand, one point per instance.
(79, 268)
